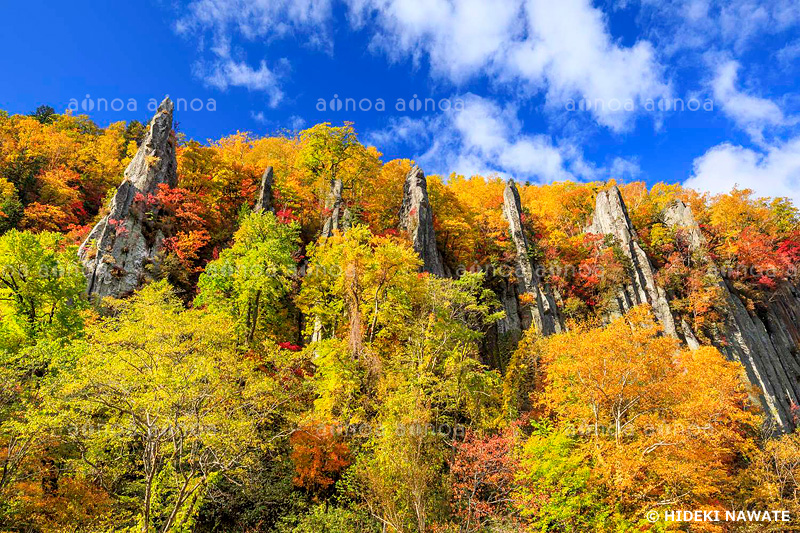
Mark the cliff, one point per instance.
(765, 343)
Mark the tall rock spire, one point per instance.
(333, 204)
(765, 350)
(122, 249)
(611, 218)
(338, 219)
(264, 202)
(545, 314)
(416, 219)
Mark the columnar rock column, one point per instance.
(611, 218)
(122, 250)
(545, 314)
(337, 220)
(333, 203)
(517, 318)
(416, 219)
(767, 352)
(264, 202)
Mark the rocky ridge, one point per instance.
(611, 218)
(124, 249)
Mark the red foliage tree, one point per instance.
(319, 456)
(483, 470)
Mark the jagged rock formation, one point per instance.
(611, 218)
(264, 202)
(765, 345)
(679, 216)
(416, 219)
(545, 314)
(122, 249)
(338, 218)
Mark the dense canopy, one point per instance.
(273, 380)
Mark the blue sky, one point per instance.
(510, 79)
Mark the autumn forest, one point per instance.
(290, 333)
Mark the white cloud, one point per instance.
(488, 139)
(570, 51)
(742, 20)
(623, 169)
(750, 113)
(263, 20)
(483, 138)
(562, 48)
(412, 132)
(493, 134)
(789, 53)
(296, 122)
(678, 25)
(226, 72)
(256, 19)
(773, 172)
(459, 37)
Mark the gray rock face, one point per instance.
(264, 202)
(516, 319)
(545, 314)
(333, 204)
(765, 346)
(679, 216)
(416, 219)
(611, 218)
(122, 249)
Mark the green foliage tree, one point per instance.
(333, 159)
(335, 520)
(327, 148)
(10, 206)
(162, 406)
(44, 114)
(556, 489)
(41, 286)
(251, 278)
(41, 302)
